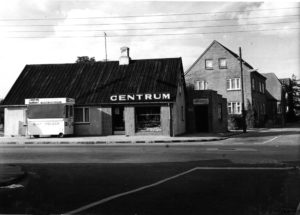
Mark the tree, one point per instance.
(85, 59)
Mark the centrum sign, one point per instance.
(140, 97)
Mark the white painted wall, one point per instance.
(15, 119)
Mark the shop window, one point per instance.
(148, 119)
(208, 64)
(82, 115)
(222, 63)
(233, 84)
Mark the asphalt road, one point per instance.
(63, 178)
(267, 146)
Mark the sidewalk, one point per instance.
(112, 139)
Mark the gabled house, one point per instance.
(128, 96)
(218, 69)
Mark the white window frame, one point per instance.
(201, 85)
(84, 117)
(234, 107)
(209, 67)
(234, 84)
(222, 66)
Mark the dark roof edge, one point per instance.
(188, 70)
(259, 74)
(227, 49)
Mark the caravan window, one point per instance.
(47, 111)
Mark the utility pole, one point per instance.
(242, 92)
(105, 47)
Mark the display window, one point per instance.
(148, 119)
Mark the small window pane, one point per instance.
(228, 84)
(208, 64)
(222, 63)
(78, 115)
(87, 115)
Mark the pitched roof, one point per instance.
(227, 49)
(94, 83)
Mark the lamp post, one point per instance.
(242, 92)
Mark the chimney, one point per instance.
(124, 58)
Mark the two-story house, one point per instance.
(218, 68)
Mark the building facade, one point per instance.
(129, 97)
(276, 102)
(218, 69)
(206, 111)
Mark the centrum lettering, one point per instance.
(166, 96)
(139, 96)
(148, 97)
(130, 97)
(113, 98)
(157, 96)
(122, 98)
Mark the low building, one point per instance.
(276, 103)
(218, 68)
(128, 96)
(206, 111)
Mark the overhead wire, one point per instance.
(145, 23)
(145, 15)
(158, 28)
(149, 35)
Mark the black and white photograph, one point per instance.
(150, 107)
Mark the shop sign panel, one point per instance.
(140, 97)
(200, 101)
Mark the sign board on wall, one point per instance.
(140, 97)
(200, 101)
(49, 101)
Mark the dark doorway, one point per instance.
(201, 118)
(118, 120)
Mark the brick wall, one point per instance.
(217, 77)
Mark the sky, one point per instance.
(58, 31)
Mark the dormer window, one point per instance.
(222, 63)
(208, 64)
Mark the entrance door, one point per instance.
(118, 120)
(201, 118)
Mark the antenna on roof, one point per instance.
(105, 47)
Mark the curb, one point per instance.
(63, 142)
(117, 142)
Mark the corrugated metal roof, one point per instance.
(94, 83)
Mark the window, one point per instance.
(67, 111)
(263, 109)
(201, 85)
(233, 84)
(253, 84)
(208, 64)
(82, 114)
(222, 63)
(182, 113)
(234, 108)
(262, 87)
(148, 119)
(219, 111)
(279, 108)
